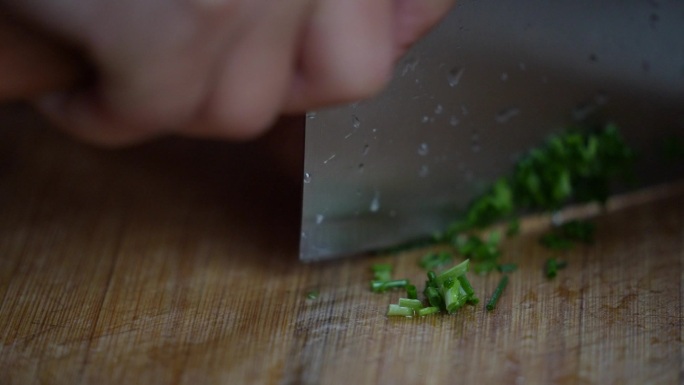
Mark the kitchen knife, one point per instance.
(490, 82)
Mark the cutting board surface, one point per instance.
(175, 262)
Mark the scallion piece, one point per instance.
(382, 271)
(313, 294)
(395, 310)
(433, 296)
(427, 311)
(410, 303)
(432, 278)
(411, 291)
(435, 259)
(381, 267)
(452, 273)
(552, 266)
(382, 286)
(507, 267)
(491, 304)
(467, 287)
(453, 299)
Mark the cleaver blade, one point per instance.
(493, 80)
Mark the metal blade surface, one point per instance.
(492, 81)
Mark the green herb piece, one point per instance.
(484, 255)
(399, 311)
(507, 267)
(411, 291)
(427, 311)
(491, 304)
(382, 271)
(452, 273)
(576, 165)
(555, 241)
(313, 294)
(383, 286)
(410, 303)
(566, 235)
(492, 206)
(435, 259)
(431, 279)
(468, 289)
(446, 290)
(454, 298)
(513, 228)
(552, 266)
(581, 231)
(433, 297)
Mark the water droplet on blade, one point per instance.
(356, 123)
(307, 177)
(375, 203)
(423, 149)
(410, 65)
(454, 76)
(505, 115)
(319, 218)
(424, 171)
(365, 150)
(439, 109)
(331, 157)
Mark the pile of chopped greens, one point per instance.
(447, 292)
(565, 236)
(574, 166)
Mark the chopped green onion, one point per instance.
(453, 299)
(433, 297)
(435, 259)
(513, 228)
(467, 287)
(410, 303)
(555, 241)
(382, 286)
(507, 267)
(453, 272)
(399, 311)
(381, 267)
(432, 276)
(581, 231)
(313, 294)
(491, 304)
(427, 311)
(411, 291)
(552, 266)
(382, 271)
(483, 254)
(574, 165)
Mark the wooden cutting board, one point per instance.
(176, 263)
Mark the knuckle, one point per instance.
(241, 121)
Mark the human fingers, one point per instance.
(414, 18)
(256, 74)
(347, 53)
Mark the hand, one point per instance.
(226, 68)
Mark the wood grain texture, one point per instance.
(175, 262)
